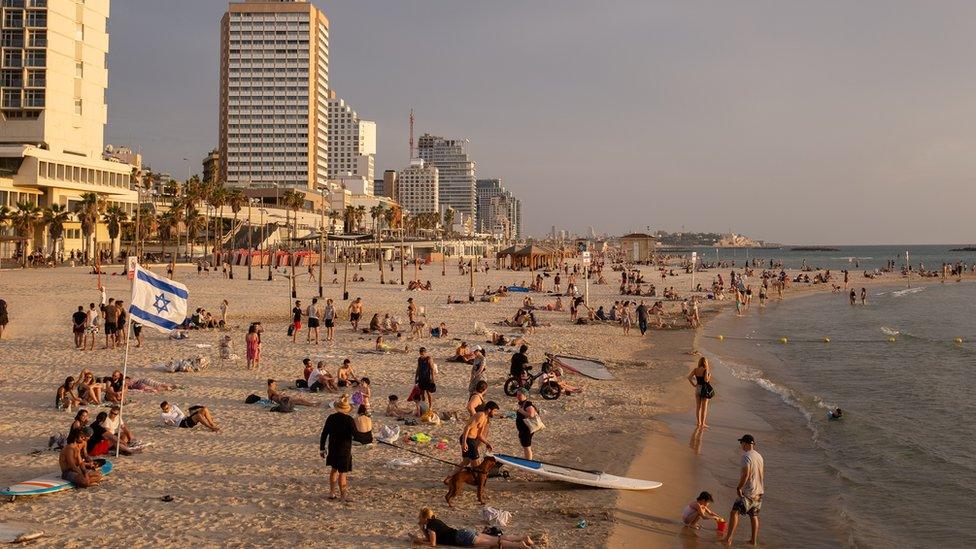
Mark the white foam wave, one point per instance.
(889, 331)
(907, 291)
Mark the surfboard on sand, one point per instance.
(597, 479)
(47, 484)
(590, 368)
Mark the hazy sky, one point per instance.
(798, 122)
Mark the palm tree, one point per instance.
(114, 217)
(54, 218)
(449, 221)
(236, 200)
(148, 224)
(360, 216)
(195, 222)
(374, 213)
(177, 209)
(349, 219)
(24, 218)
(169, 224)
(88, 210)
(216, 198)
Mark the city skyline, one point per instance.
(789, 123)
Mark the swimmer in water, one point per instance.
(835, 414)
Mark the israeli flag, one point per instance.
(157, 301)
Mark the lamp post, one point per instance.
(250, 239)
(322, 188)
(402, 230)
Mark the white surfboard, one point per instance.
(47, 484)
(584, 366)
(596, 479)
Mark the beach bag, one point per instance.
(291, 330)
(707, 391)
(251, 399)
(495, 518)
(414, 394)
(534, 423)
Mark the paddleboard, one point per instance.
(47, 484)
(593, 369)
(596, 479)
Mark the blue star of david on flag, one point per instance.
(158, 301)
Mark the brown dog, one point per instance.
(475, 476)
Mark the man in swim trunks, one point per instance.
(355, 312)
(328, 316)
(749, 490)
(296, 321)
(78, 321)
(475, 435)
(74, 468)
(173, 416)
(111, 313)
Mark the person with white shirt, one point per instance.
(312, 312)
(321, 379)
(749, 490)
(173, 416)
(329, 319)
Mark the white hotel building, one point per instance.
(53, 77)
(352, 142)
(274, 94)
(418, 188)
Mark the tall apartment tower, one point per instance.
(352, 142)
(53, 78)
(418, 188)
(455, 169)
(274, 94)
(499, 211)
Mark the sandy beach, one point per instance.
(261, 481)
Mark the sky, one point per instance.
(793, 122)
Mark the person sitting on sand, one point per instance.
(433, 532)
(75, 468)
(374, 323)
(364, 426)
(276, 396)
(393, 408)
(115, 388)
(556, 375)
(89, 390)
(346, 376)
(80, 421)
(115, 428)
(440, 331)
(66, 398)
(698, 510)
(463, 353)
(361, 397)
(321, 379)
(174, 417)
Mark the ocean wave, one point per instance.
(907, 291)
(889, 331)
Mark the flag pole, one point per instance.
(125, 364)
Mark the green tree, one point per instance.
(114, 217)
(54, 218)
(24, 219)
(88, 210)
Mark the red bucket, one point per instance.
(720, 526)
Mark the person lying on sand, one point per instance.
(387, 348)
(173, 416)
(433, 532)
(276, 396)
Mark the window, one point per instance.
(13, 59)
(11, 79)
(79, 31)
(11, 99)
(13, 38)
(34, 98)
(37, 19)
(38, 39)
(13, 19)
(79, 69)
(36, 58)
(78, 109)
(36, 79)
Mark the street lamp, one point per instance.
(322, 189)
(250, 239)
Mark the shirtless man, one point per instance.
(411, 311)
(276, 396)
(355, 313)
(74, 467)
(475, 434)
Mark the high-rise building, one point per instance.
(274, 94)
(455, 170)
(211, 167)
(418, 187)
(390, 187)
(53, 79)
(352, 141)
(499, 211)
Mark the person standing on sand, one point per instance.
(426, 377)
(338, 432)
(749, 490)
(853, 297)
(864, 296)
(296, 321)
(4, 319)
(313, 321)
(626, 318)
(78, 320)
(328, 318)
(475, 435)
(355, 313)
(526, 410)
(701, 379)
(642, 317)
(224, 305)
(253, 343)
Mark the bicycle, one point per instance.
(548, 388)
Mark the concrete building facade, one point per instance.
(352, 142)
(419, 188)
(456, 171)
(53, 78)
(499, 211)
(274, 94)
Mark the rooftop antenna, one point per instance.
(411, 135)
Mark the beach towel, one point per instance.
(495, 517)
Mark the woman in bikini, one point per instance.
(698, 378)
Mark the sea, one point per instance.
(852, 258)
(899, 470)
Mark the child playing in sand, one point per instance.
(697, 510)
(393, 408)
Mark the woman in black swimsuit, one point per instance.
(525, 411)
(701, 379)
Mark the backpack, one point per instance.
(251, 399)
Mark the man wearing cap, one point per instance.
(749, 490)
(337, 433)
(478, 367)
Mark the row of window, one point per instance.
(25, 3)
(12, 198)
(17, 98)
(14, 38)
(77, 174)
(15, 59)
(14, 78)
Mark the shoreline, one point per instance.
(652, 519)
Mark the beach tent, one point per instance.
(533, 257)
